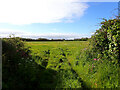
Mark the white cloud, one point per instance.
(40, 11)
(19, 33)
(100, 0)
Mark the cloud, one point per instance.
(100, 0)
(20, 33)
(40, 11)
(7, 32)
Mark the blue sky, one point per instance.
(69, 20)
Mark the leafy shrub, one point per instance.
(20, 71)
(104, 54)
(106, 40)
(16, 61)
(98, 65)
(13, 51)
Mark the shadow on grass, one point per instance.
(28, 77)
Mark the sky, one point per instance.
(54, 19)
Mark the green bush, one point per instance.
(15, 60)
(106, 40)
(13, 51)
(20, 71)
(98, 65)
(104, 54)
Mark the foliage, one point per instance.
(106, 40)
(101, 59)
(57, 56)
(95, 66)
(45, 39)
(20, 70)
(13, 51)
(81, 39)
(68, 79)
(65, 64)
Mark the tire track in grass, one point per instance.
(83, 84)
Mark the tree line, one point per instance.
(45, 39)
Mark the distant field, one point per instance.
(56, 47)
(60, 56)
(74, 46)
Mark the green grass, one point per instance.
(44, 45)
(59, 56)
(74, 66)
(73, 46)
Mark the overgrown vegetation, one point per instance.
(101, 60)
(65, 64)
(56, 56)
(20, 71)
(106, 41)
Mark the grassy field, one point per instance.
(75, 67)
(71, 49)
(60, 56)
(74, 46)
